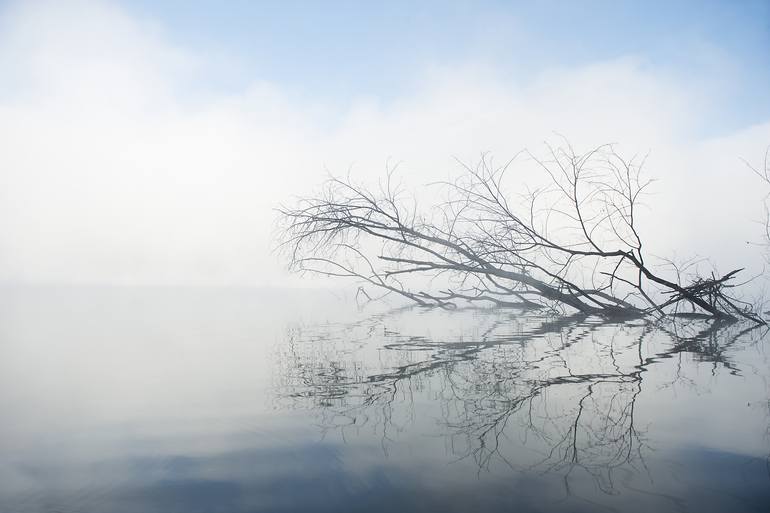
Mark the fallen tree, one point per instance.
(571, 243)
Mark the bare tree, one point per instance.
(571, 243)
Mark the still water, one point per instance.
(214, 400)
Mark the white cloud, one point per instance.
(111, 172)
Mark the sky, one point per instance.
(148, 143)
(380, 49)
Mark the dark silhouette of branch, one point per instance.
(571, 243)
(763, 172)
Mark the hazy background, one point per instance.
(147, 144)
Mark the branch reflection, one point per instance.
(524, 392)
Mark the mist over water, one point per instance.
(204, 399)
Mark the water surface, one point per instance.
(215, 400)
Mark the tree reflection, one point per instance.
(529, 393)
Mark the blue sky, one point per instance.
(338, 50)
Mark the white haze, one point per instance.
(116, 169)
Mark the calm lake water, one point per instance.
(213, 400)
